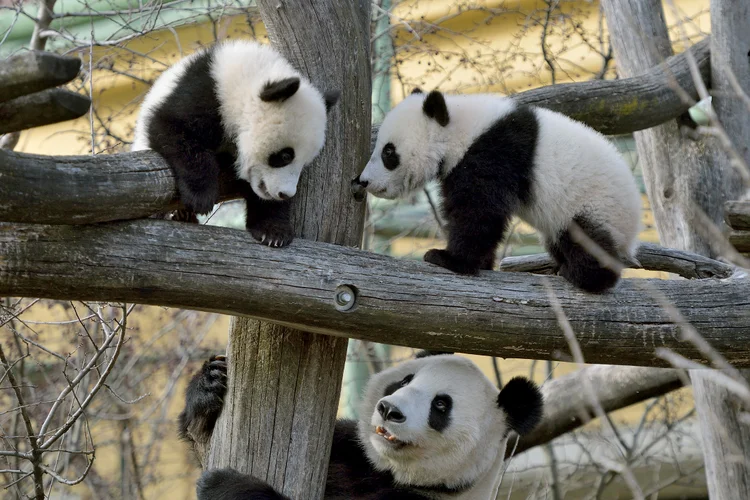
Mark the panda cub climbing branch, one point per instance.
(430, 428)
(236, 106)
(495, 158)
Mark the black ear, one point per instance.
(331, 97)
(434, 106)
(425, 353)
(280, 91)
(417, 90)
(522, 401)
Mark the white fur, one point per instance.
(577, 170)
(468, 451)
(240, 69)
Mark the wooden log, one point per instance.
(33, 71)
(740, 240)
(567, 407)
(284, 384)
(88, 189)
(652, 257)
(42, 108)
(399, 302)
(737, 214)
(628, 104)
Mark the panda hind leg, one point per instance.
(269, 222)
(574, 251)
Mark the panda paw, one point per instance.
(271, 232)
(204, 398)
(200, 201)
(444, 259)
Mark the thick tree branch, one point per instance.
(738, 214)
(652, 257)
(43, 108)
(566, 407)
(31, 72)
(740, 240)
(398, 301)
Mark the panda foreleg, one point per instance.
(269, 222)
(228, 484)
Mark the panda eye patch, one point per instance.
(406, 380)
(281, 158)
(442, 402)
(390, 158)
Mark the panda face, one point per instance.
(283, 136)
(435, 421)
(408, 151)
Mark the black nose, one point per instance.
(283, 196)
(358, 182)
(390, 412)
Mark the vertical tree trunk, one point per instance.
(682, 175)
(284, 384)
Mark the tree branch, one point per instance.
(738, 214)
(43, 108)
(652, 257)
(31, 72)
(566, 407)
(397, 301)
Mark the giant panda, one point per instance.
(237, 106)
(495, 158)
(430, 428)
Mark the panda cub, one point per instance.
(237, 106)
(430, 428)
(495, 158)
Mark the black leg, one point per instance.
(578, 265)
(204, 400)
(471, 243)
(268, 221)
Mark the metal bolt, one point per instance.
(345, 297)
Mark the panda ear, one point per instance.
(434, 107)
(417, 90)
(279, 91)
(522, 402)
(425, 353)
(331, 97)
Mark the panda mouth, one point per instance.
(264, 191)
(383, 432)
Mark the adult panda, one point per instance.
(430, 428)
(495, 158)
(238, 106)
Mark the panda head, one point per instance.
(282, 133)
(410, 147)
(439, 421)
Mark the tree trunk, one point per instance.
(284, 384)
(683, 175)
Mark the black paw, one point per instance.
(273, 233)
(444, 259)
(204, 398)
(201, 200)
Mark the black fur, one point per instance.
(394, 386)
(280, 91)
(186, 129)
(578, 265)
(331, 97)
(391, 159)
(434, 106)
(228, 484)
(523, 404)
(440, 417)
(482, 192)
(426, 353)
(204, 399)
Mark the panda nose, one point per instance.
(390, 412)
(283, 195)
(359, 182)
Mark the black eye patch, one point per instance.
(390, 157)
(281, 158)
(394, 386)
(440, 412)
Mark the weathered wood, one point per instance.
(33, 71)
(567, 407)
(284, 393)
(738, 214)
(628, 104)
(652, 257)
(398, 301)
(681, 175)
(43, 108)
(740, 240)
(88, 189)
